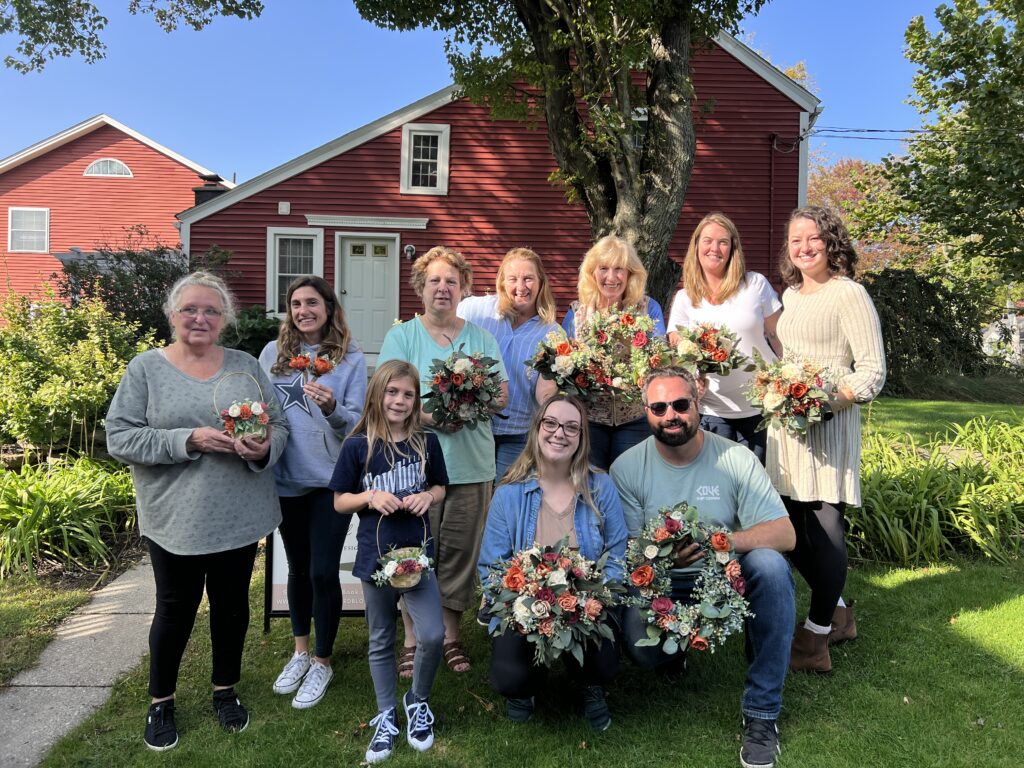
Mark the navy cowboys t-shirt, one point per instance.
(404, 477)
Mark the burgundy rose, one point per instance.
(672, 525)
(740, 585)
(662, 605)
(572, 618)
(546, 594)
(551, 557)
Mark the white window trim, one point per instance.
(10, 230)
(445, 133)
(318, 257)
(109, 175)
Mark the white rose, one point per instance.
(557, 578)
(424, 561)
(791, 371)
(462, 365)
(773, 400)
(563, 365)
(617, 382)
(683, 628)
(675, 514)
(540, 608)
(257, 409)
(389, 568)
(651, 551)
(722, 557)
(235, 411)
(520, 611)
(687, 348)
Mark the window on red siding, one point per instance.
(108, 166)
(425, 159)
(28, 230)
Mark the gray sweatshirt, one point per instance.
(193, 503)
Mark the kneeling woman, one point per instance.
(550, 493)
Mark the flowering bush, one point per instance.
(555, 597)
(790, 393)
(312, 367)
(712, 349)
(716, 608)
(464, 388)
(245, 419)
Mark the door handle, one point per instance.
(344, 292)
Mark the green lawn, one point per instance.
(935, 679)
(924, 418)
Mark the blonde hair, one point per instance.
(374, 424)
(527, 463)
(418, 279)
(337, 336)
(545, 300)
(612, 251)
(201, 279)
(695, 282)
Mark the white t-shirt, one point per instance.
(744, 315)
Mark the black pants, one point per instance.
(180, 580)
(820, 553)
(313, 535)
(514, 675)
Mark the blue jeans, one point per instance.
(771, 593)
(740, 431)
(608, 443)
(506, 450)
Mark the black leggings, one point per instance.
(820, 553)
(513, 673)
(180, 580)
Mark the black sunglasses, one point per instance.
(682, 405)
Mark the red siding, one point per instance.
(86, 212)
(499, 196)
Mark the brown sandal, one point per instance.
(455, 657)
(405, 662)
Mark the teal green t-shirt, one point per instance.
(726, 484)
(468, 453)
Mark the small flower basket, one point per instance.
(792, 394)
(711, 349)
(402, 567)
(243, 418)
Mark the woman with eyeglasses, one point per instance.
(321, 409)
(549, 493)
(204, 498)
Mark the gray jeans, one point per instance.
(423, 602)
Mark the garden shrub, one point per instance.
(69, 511)
(253, 328)
(59, 368)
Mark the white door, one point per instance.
(368, 286)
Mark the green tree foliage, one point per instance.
(573, 62)
(50, 29)
(964, 174)
(59, 367)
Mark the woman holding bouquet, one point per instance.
(612, 276)
(519, 314)
(204, 498)
(442, 277)
(319, 377)
(717, 289)
(550, 493)
(830, 321)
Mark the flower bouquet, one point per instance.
(626, 342)
(572, 365)
(791, 393)
(716, 608)
(464, 388)
(555, 597)
(312, 367)
(712, 349)
(246, 419)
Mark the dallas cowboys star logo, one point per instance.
(293, 394)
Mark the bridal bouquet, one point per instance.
(791, 393)
(711, 348)
(463, 388)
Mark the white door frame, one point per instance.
(371, 359)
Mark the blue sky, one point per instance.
(243, 97)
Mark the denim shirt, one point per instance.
(512, 524)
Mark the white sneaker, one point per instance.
(291, 676)
(384, 733)
(314, 685)
(419, 731)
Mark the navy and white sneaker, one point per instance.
(314, 685)
(419, 729)
(161, 731)
(760, 743)
(384, 734)
(291, 676)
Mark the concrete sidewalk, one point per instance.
(99, 642)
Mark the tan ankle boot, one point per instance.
(809, 652)
(844, 625)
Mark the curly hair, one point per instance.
(612, 251)
(418, 279)
(694, 281)
(839, 250)
(337, 336)
(545, 300)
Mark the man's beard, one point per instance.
(675, 439)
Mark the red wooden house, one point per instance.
(82, 189)
(357, 209)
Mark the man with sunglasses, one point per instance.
(730, 488)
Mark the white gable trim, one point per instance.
(314, 157)
(88, 126)
(382, 222)
(763, 68)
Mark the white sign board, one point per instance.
(351, 587)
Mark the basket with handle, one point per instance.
(404, 580)
(258, 432)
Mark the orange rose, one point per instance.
(264, 419)
(458, 379)
(564, 563)
(642, 576)
(514, 579)
(567, 602)
(781, 388)
(719, 355)
(299, 362)
(229, 426)
(593, 608)
(546, 627)
(720, 541)
(665, 622)
(628, 319)
(322, 365)
(563, 348)
(697, 642)
(655, 361)
(542, 570)
(245, 412)
(661, 533)
(798, 389)
(732, 570)
(437, 379)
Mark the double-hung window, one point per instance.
(28, 230)
(291, 252)
(425, 159)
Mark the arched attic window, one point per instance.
(108, 166)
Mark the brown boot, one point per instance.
(844, 625)
(809, 652)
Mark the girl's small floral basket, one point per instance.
(403, 567)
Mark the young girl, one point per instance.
(390, 471)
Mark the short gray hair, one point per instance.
(201, 279)
(670, 372)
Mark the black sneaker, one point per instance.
(760, 743)
(161, 732)
(519, 710)
(232, 715)
(595, 708)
